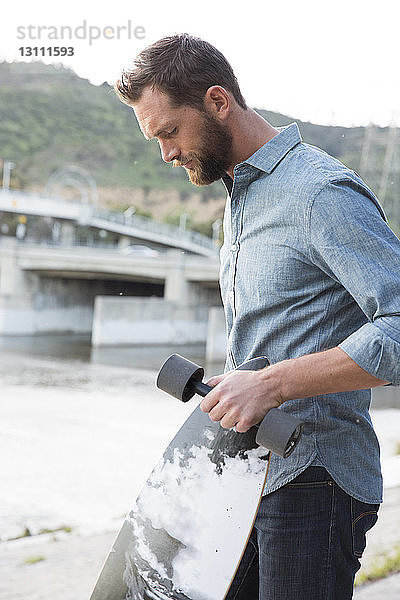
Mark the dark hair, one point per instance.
(182, 66)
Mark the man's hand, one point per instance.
(243, 398)
(240, 399)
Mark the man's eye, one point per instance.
(175, 129)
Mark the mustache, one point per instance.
(182, 161)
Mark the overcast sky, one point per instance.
(330, 63)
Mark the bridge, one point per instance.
(90, 263)
(119, 298)
(128, 228)
(73, 274)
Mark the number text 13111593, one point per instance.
(49, 51)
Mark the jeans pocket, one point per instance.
(302, 485)
(363, 517)
(312, 477)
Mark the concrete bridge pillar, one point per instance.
(12, 278)
(124, 242)
(8, 273)
(177, 288)
(15, 291)
(30, 303)
(216, 335)
(67, 234)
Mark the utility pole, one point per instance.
(128, 214)
(388, 160)
(182, 223)
(388, 172)
(365, 150)
(216, 228)
(7, 168)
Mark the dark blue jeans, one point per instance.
(306, 542)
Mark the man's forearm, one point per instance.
(242, 398)
(321, 373)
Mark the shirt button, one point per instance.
(234, 247)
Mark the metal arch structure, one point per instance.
(76, 177)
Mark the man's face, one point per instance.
(190, 138)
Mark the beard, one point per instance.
(214, 155)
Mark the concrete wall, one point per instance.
(30, 303)
(129, 320)
(43, 292)
(41, 305)
(18, 316)
(216, 335)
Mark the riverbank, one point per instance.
(77, 441)
(382, 542)
(64, 566)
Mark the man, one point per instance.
(310, 277)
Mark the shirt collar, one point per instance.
(268, 156)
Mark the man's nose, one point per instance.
(169, 152)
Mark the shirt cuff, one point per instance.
(374, 351)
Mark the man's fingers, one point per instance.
(218, 412)
(208, 402)
(227, 402)
(212, 398)
(244, 425)
(216, 379)
(230, 421)
(237, 400)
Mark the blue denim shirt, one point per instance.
(309, 263)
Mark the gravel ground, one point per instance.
(388, 588)
(381, 540)
(70, 563)
(61, 434)
(67, 571)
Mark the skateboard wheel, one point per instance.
(177, 376)
(279, 432)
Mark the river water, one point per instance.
(80, 430)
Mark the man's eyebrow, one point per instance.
(163, 129)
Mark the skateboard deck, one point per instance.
(187, 531)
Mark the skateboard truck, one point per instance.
(278, 431)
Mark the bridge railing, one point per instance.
(148, 224)
(84, 214)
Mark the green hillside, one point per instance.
(50, 118)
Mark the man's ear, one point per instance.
(217, 101)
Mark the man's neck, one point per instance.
(250, 132)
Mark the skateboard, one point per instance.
(189, 526)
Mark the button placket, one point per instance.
(238, 198)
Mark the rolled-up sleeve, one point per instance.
(351, 242)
